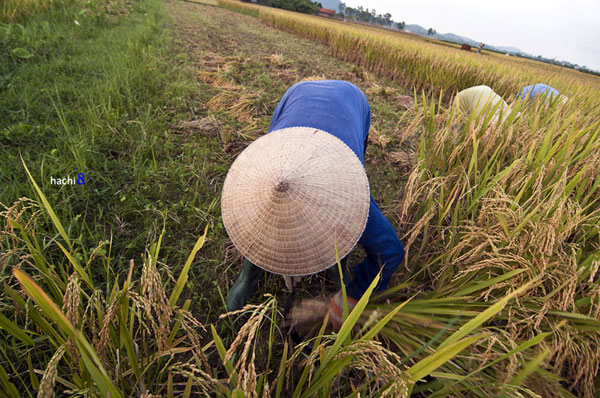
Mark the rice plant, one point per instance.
(422, 64)
(112, 337)
(132, 337)
(488, 208)
(499, 295)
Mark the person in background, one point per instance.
(295, 194)
(533, 91)
(479, 100)
(480, 48)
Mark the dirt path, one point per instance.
(245, 67)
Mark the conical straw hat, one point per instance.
(290, 195)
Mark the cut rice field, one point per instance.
(118, 288)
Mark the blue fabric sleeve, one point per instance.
(384, 251)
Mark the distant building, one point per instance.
(326, 12)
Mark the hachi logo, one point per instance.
(80, 180)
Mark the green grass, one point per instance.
(12, 10)
(95, 96)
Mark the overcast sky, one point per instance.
(566, 29)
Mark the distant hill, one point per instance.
(510, 50)
(331, 4)
(454, 38)
(416, 29)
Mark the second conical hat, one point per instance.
(290, 196)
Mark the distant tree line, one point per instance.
(370, 16)
(357, 14)
(566, 64)
(304, 6)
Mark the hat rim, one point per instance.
(340, 254)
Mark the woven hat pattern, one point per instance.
(290, 195)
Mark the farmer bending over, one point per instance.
(540, 90)
(295, 193)
(481, 99)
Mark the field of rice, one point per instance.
(117, 290)
(420, 63)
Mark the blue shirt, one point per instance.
(341, 109)
(532, 91)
